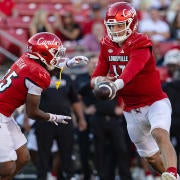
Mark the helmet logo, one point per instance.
(42, 41)
(130, 12)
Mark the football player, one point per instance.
(23, 83)
(127, 56)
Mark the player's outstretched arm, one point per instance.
(33, 111)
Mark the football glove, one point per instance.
(99, 79)
(58, 119)
(76, 61)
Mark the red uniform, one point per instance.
(135, 64)
(13, 90)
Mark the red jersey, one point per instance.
(133, 62)
(13, 90)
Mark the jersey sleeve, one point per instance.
(140, 53)
(40, 77)
(138, 59)
(32, 88)
(102, 67)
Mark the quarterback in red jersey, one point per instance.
(127, 60)
(23, 84)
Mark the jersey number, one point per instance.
(8, 78)
(121, 67)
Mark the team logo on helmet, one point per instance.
(42, 41)
(130, 12)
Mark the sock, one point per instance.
(172, 170)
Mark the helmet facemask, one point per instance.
(115, 35)
(58, 57)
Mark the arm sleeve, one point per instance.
(138, 59)
(32, 88)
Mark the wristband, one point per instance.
(119, 83)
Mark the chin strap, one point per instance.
(58, 82)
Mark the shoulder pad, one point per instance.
(39, 75)
(141, 41)
(107, 42)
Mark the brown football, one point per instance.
(105, 90)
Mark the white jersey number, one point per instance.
(121, 67)
(9, 77)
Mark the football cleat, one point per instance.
(169, 176)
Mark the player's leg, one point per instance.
(156, 162)
(139, 131)
(167, 150)
(160, 119)
(22, 159)
(7, 168)
(7, 153)
(13, 151)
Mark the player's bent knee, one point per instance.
(160, 135)
(23, 156)
(7, 168)
(24, 159)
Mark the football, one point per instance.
(105, 90)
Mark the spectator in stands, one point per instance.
(40, 23)
(7, 9)
(172, 11)
(66, 28)
(157, 29)
(80, 10)
(175, 28)
(91, 41)
(159, 4)
(172, 62)
(170, 65)
(96, 17)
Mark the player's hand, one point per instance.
(99, 79)
(58, 119)
(77, 60)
